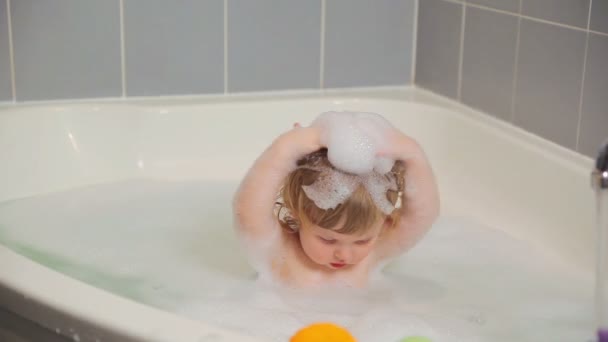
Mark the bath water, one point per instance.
(171, 245)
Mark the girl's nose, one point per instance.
(341, 254)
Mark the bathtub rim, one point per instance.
(391, 93)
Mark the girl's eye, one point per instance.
(328, 241)
(363, 242)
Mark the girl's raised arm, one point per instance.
(253, 204)
(420, 200)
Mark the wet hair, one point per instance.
(359, 211)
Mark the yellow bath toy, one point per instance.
(322, 332)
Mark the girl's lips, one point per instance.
(337, 265)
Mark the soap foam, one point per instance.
(333, 187)
(378, 185)
(353, 140)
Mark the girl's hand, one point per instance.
(398, 146)
(300, 141)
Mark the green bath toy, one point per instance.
(415, 339)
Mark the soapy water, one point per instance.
(171, 245)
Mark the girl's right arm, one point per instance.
(421, 202)
(255, 198)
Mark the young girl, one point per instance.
(329, 225)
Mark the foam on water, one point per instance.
(171, 245)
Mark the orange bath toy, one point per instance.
(322, 332)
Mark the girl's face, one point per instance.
(334, 250)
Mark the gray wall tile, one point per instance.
(594, 120)
(66, 49)
(570, 12)
(505, 5)
(273, 44)
(489, 61)
(368, 43)
(549, 79)
(174, 47)
(438, 50)
(71, 49)
(6, 92)
(599, 16)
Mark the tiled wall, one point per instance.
(57, 49)
(539, 64)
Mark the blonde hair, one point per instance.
(359, 211)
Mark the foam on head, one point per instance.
(331, 188)
(334, 187)
(353, 140)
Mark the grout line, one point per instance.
(554, 23)
(225, 46)
(482, 7)
(220, 97)
(123, 63)
(455, 2)
(520, 7)
(589, 15)
(581, 97)
(414, 42)
(11, 50)
(598, 32)
(515, 66)
(539, 20)
(605, 34)
(461, 52)
(580, 100)
(322, 49)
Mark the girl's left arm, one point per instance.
(420, 201)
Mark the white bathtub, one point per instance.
(488, 171)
